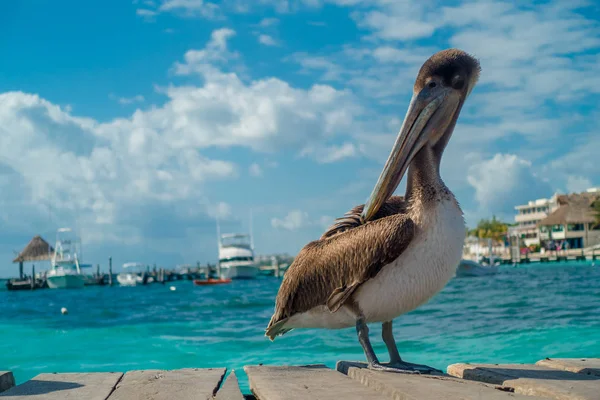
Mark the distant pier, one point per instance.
(526, 259)
(158, 275)
(557, 379)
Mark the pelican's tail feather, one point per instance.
(276, 328)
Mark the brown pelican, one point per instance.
(393, 254)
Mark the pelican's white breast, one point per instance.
(422, 270)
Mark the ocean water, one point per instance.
(523, 314)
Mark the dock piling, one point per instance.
(110, 274)
(33, 277)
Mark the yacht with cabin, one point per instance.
(65, 269)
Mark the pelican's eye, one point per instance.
(458, 82)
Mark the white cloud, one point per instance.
(94, 172)
(264, 115)
(294, 220)
(330, 154)
(309, 63)
(128, 100)
(401, 24)
(111, 176)
(255, 170)
(215, 53)
(504, 181)
(267, 40)
(325, 221)
(390, 54)
(191, 8)
(267, 22)
(145, 13)
(220, 210)
(577, 184)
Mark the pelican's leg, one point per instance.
(388, 338)
(363, 337)
(395, 360)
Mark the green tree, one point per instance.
(490, 229)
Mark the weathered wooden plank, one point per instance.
(586, 366)
(73, 386)
(315, 382)
(182, 384)
(230, 390)
(7, 380)
(425, 387)
(532, 380)
(343, 366)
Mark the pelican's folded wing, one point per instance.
(329, 270)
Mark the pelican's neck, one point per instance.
(424, 183)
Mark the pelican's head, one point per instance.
(443, 84)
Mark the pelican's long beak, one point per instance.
(410, 140)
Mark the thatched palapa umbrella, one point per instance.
(36, 250)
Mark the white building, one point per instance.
(529, 215)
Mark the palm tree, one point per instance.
(490, 229)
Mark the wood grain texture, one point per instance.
(76, 386)
(182, 384)
(308, 382)
(532, 380)
(426, 387)
(586, 366)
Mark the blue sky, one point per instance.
(140, 122)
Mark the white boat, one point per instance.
(473, 268)
(65, 270)
(481, 268)
(236, 257)
(132, 275)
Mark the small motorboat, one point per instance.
(472, 268)
(210, 281)
(485, 266)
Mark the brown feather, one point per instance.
(352, 219)
(332, 268)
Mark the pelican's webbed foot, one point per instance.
(399, 369)
(402, 366)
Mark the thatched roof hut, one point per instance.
(37, 250)
(573, 209)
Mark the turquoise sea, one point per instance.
(522, 314)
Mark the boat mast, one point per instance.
(251, 236)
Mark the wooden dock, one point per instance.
(557, 379)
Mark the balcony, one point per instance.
(536, 216)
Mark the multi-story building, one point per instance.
(563, 217)
(529, 215)
(574, 221)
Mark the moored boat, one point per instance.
(133, 275)
(472, 268)
(482, 267)
(210, 281)
(65, 270)
(236, 257)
